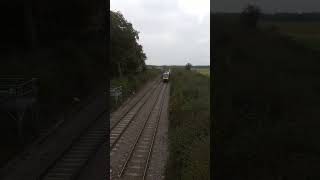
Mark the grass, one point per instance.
(306, 32)
(189, 132)
(204, 71)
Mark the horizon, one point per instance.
(174, 65)
(269, 13)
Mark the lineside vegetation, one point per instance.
(127, 58)
(131, 84)
(189, 132)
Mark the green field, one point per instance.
(204, 71)
(306, 32)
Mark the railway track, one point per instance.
(67, 167)
(135, 160)
(128, 110)
(132, 100)
(119, 128)
(71, 162)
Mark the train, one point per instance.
(166, 76)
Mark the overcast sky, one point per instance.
(172, 32)
(268, 6)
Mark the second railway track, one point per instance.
(68, 166)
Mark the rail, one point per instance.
(85, 145)
(138, 110)
(124, 166)
(153, 139)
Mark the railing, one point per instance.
(17, 87)
(27, 87)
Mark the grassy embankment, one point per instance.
(189, 133)
(266, 113)
(131, 83)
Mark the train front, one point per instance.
(165, 77)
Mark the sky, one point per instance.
(172, 32)
(268, 6)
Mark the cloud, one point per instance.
(171, 31)
(198, 8)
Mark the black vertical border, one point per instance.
(212, 93)
(107, 50)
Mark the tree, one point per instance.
(251, 15)
(188, 66)
(127, 54)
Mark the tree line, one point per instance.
(126, 54)
(296, 17)
(279, 17)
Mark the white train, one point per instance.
(166, 76)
